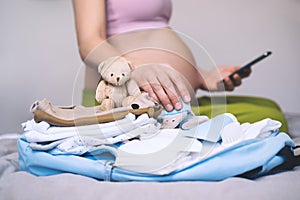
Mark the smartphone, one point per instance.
(244, 69)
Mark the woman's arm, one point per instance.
(90, 23)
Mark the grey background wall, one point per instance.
(39, 58)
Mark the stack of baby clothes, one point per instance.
(77, 129)
(126, 145)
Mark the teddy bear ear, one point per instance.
(106, 63)
(101, 66)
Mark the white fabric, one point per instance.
(78, 140)
(236, 132)
(161, 140)
(43, 132)
(177, 151)
(170, 145)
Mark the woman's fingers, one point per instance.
(231, 83)
(145, 86)
(237, 80)
(228, 84)
(181, 86)
(170, 90)
(161, 93)
(163, 84)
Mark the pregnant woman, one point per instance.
(164, 66)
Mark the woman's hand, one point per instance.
(163, 84)
(218, 79)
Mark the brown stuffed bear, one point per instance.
(116, 88)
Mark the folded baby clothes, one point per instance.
(148, 141)
(161, 153)
(79, 115)
(44, 132)
(142, 146)
(153, 154)
(174, 149)
(63, 140)
(79, 145)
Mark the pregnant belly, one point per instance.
(162, 46)
(159, 56)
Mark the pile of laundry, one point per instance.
(140, 141)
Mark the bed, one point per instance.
(16, 184)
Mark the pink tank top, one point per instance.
(130, 15)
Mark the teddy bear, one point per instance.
(116, 88)
(184, 118)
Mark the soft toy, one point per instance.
(184, 118)
(116, 88)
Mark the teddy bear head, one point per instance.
(116, 71)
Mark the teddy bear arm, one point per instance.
(133, 88)
(100, 91)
